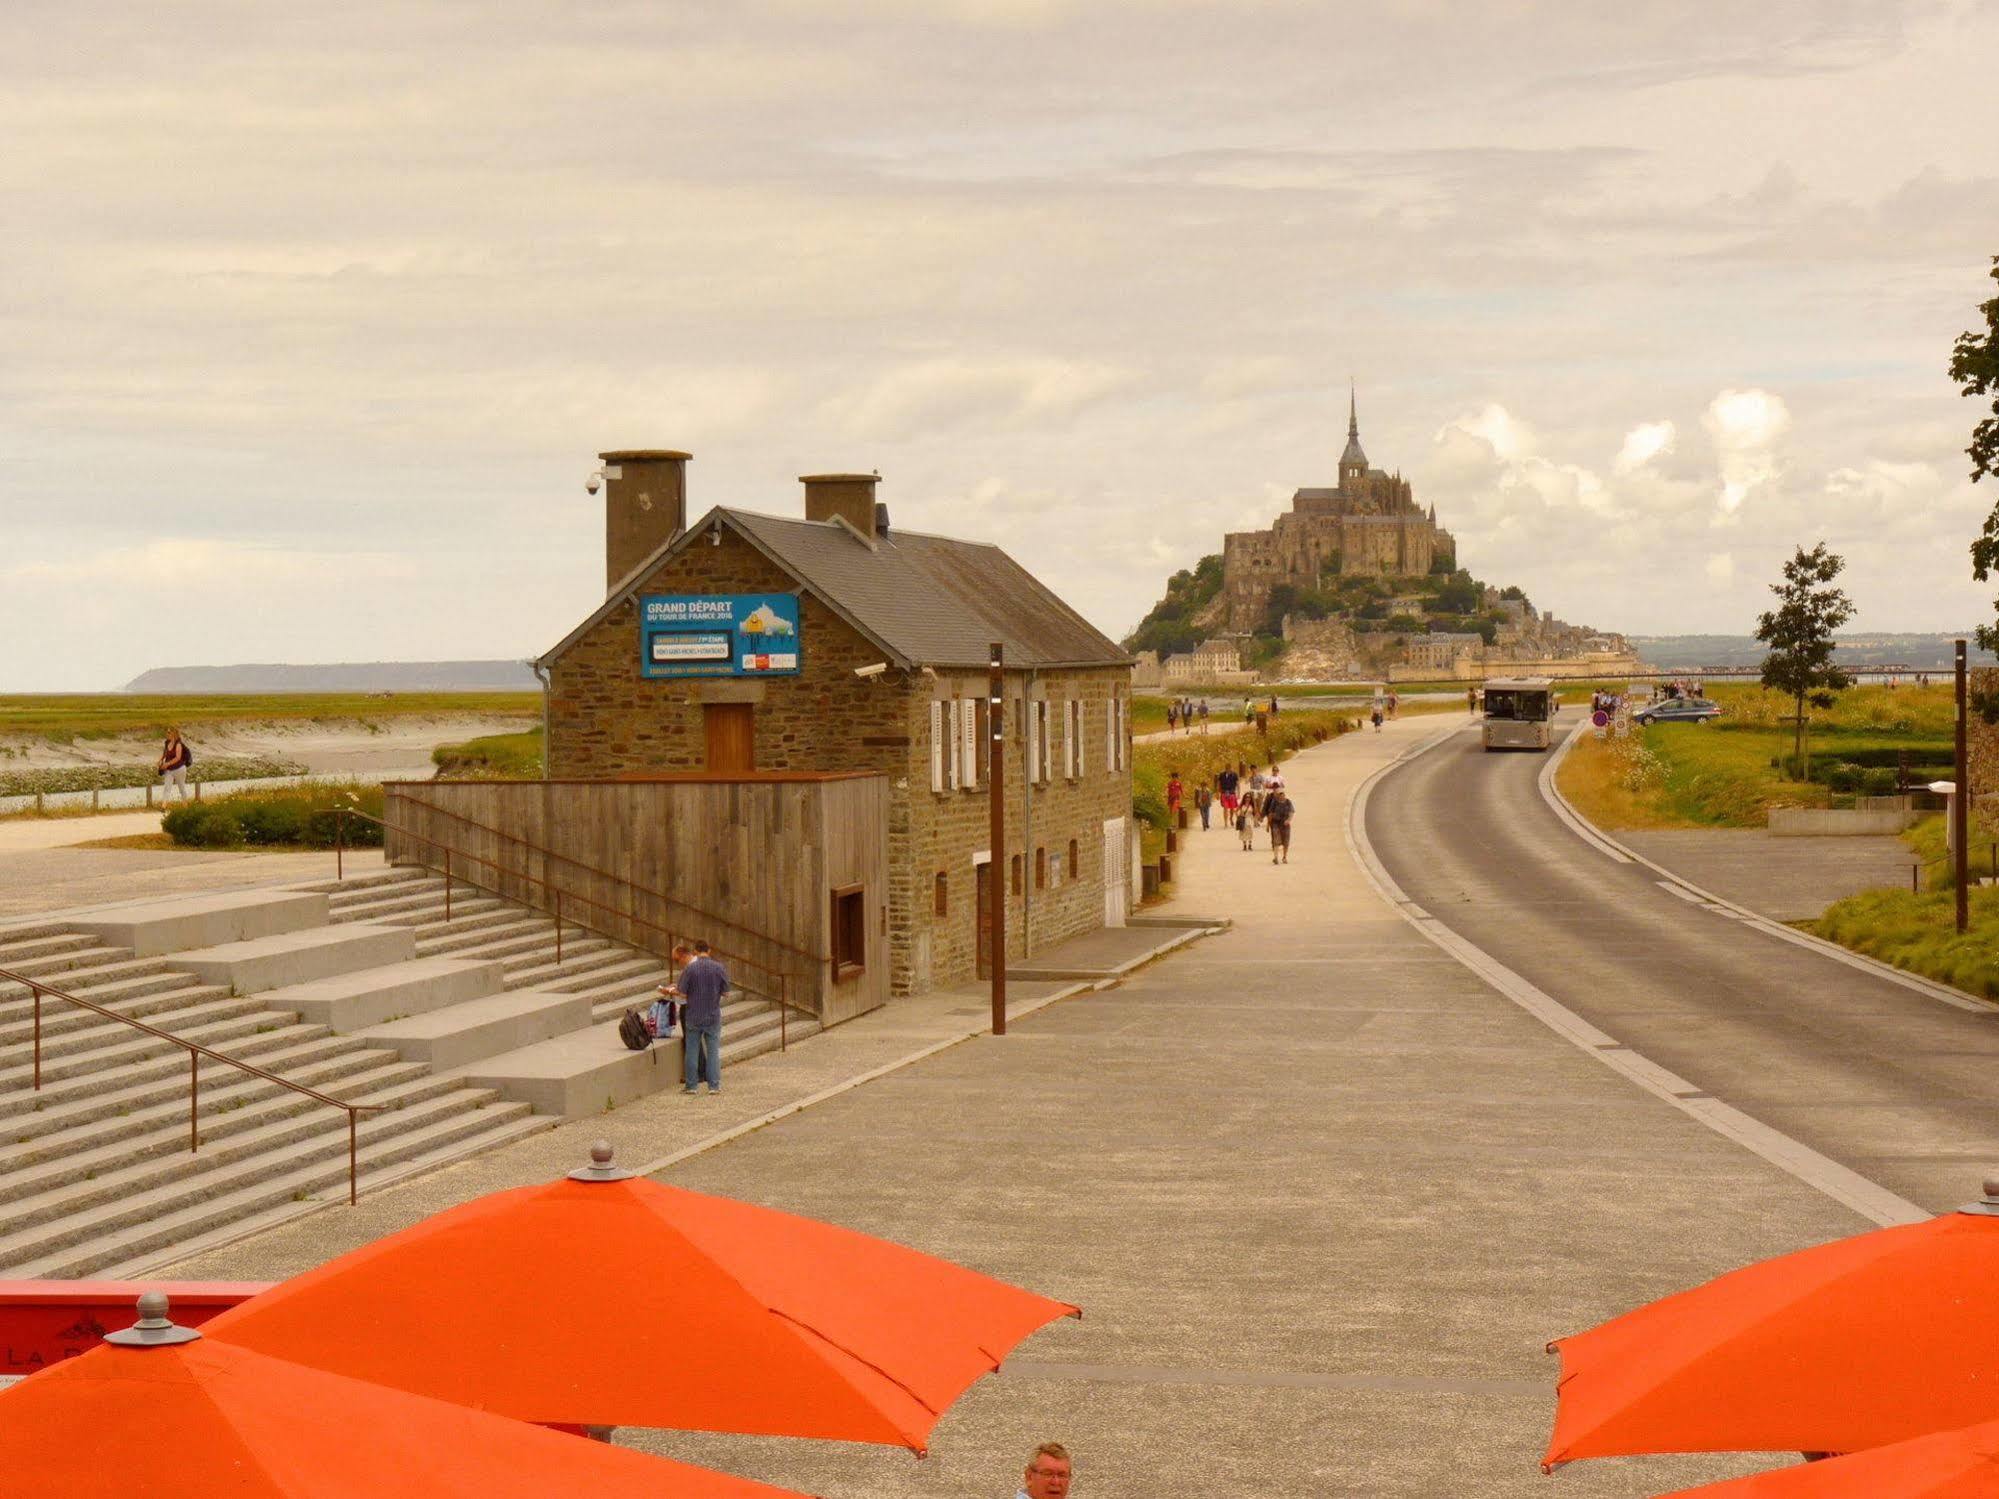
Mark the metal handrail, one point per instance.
(195, 1052)
(590, 869)
(781, 998)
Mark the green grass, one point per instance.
(1919, 933)
(501, 757)
(102, 715)
(1720, 774)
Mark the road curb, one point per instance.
(1608, 845)
(1849, 1188)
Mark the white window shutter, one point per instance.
(1047, 744)
(968, 734)
(1031, 732)
(936, 746)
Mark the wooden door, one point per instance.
(984, 872)
(732, 737)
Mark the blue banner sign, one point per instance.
(718, 635)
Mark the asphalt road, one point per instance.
(1892, 1083)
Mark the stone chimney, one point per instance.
(645, 505)
(849, 496)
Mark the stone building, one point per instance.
(1441, 651)
(1212, 663)
(870, 654)
(1369, 523)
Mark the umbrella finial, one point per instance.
(154, 1329)
(602, 1167)
(1988, 1205)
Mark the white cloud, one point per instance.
(1720, 569)
(1643, 443)
(943, 393)
(1746, 426)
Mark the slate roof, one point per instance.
(924, 600)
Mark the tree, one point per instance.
(1974, 364)
(1800, 630)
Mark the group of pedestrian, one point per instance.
(1387, 703)
(1605, 702)
(1680, 687)
(1184, 712)
(1252, 799)
(694, 998)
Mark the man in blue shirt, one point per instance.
(702, 985)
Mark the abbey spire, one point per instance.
(1353, 462)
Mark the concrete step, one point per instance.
(501, 923)
(101, 967)
(595, 963)
(394, 991)
(149, 1061)
(479, 1028)
(144, 1221)
(327, 1063)
(205, 1005)
(395, 903)
(211, 920)
(54, 1209)
(359, 1076)
(156, 1005)
(116, 1046)
(589, 1071)
(261, 963)
(240, 1214)
(16, 951)
(360, 882)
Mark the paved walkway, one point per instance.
(1322, 1193)
(1786, 879)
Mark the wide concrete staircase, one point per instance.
(467, 1033)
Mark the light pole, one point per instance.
(996, 778)
(1960, 807)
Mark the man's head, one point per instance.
(701, 949)
(1048, 1472)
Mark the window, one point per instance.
(940, 902)
(1075, 868)
(1041, 869)
(1013, 874)
(850, 931)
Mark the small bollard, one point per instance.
(149, 794)
(1165, 870)
(1172, 841)
(94, 805)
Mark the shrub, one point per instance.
(1843, 775)
(203, 825)
(287, 817)
(270, 820)
(1878, 781)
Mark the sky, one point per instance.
(312, 319)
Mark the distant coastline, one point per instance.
(1874, 650)
(340, 676)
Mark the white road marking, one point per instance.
(1849, 1188)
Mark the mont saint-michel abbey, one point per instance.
(1370, 523)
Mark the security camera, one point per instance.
(871, 671)
(594, 482)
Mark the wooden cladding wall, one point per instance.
(747, 865)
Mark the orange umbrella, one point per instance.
(1849, 1345)
(607, 1299)
(162, 1412)
(1961, 1464)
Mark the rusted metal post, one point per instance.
(1960, 808)
(783, 1007)
(353, 1188)
(447, 884)
(996, 775)
(340, 843)
(36, 990)
(193, 1100)
(558, 928)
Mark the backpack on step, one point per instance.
(634, 1032)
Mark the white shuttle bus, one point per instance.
(1519, 713)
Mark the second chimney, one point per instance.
(849, 496)
(645, 506)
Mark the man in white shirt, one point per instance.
(1047, 1473)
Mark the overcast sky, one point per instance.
(313, 318)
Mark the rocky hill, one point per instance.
(1347, 623)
